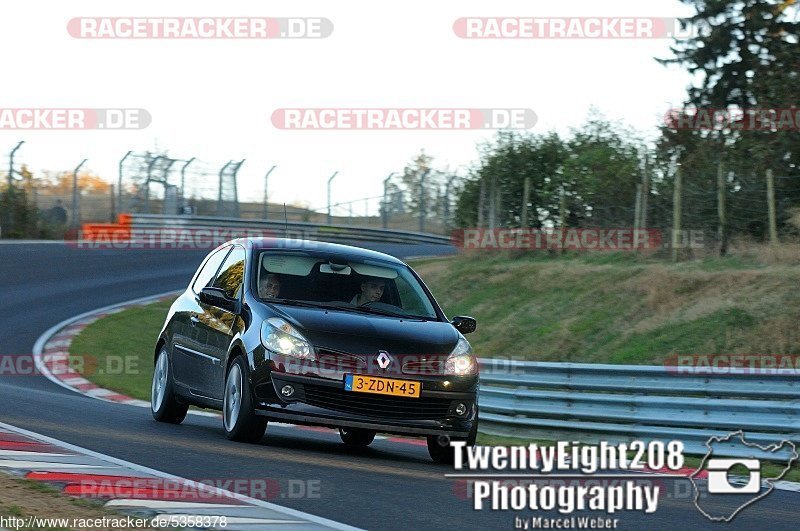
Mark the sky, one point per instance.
(213, 99)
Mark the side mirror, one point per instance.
(464, 324)
(217, 297)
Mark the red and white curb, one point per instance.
(51, 352)
(51, 356)
(130, 488)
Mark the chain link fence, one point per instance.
(49, 204)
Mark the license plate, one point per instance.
(382, 386)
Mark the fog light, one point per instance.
(461, 409)
(287, 390)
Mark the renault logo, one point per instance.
(383, 359)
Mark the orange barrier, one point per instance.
(119, 231)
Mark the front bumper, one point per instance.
(323, 402)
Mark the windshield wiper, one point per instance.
(378, 311)
(293, 302)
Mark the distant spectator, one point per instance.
(58, 214)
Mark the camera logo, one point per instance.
(718, 476)
(724, 495)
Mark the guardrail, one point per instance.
(292, 229)
(621, 403)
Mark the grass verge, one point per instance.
(23, 499)
(117, 351)
(618, 308)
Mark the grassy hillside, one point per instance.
(615, 308)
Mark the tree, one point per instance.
(596, 170)
(505, 163)
(62, 183)
(419, 183)
(18, 216)
(600, 174)
(744, 57)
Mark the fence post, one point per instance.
(722, 230)
(11, 166)
(676, 213)
(526, 194)
(773, 226)
(492, 201)
(481, 202)
(113, 216)
(447, 190)
(645, 194)
(562, 216)
(385, 210)
(10, 191)
(147, 183)
(119, 180)
(76, 216)
(265, 213)
(236, 167)
(329, 195)
(183, 183)
(422, 199)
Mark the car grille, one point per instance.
(331, 359)
(387, 407)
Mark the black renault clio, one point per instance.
(317, 334)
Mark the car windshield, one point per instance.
(334, 282)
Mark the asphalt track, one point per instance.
(387, 486)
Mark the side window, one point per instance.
(209, 270)
(231, 275)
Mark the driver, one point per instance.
(269, 286)
(371, 291)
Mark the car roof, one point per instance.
(285, 244)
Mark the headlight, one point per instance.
(279, 336)
(461, 361)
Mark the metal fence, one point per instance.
(621, 403)
(155, 182)
(160, 184)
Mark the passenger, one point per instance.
(371, 291)
(269, 286)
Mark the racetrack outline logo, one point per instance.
(771, 482)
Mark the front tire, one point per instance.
(238, 412)
(357, 438)
(163, 403)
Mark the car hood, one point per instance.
(366, 334)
